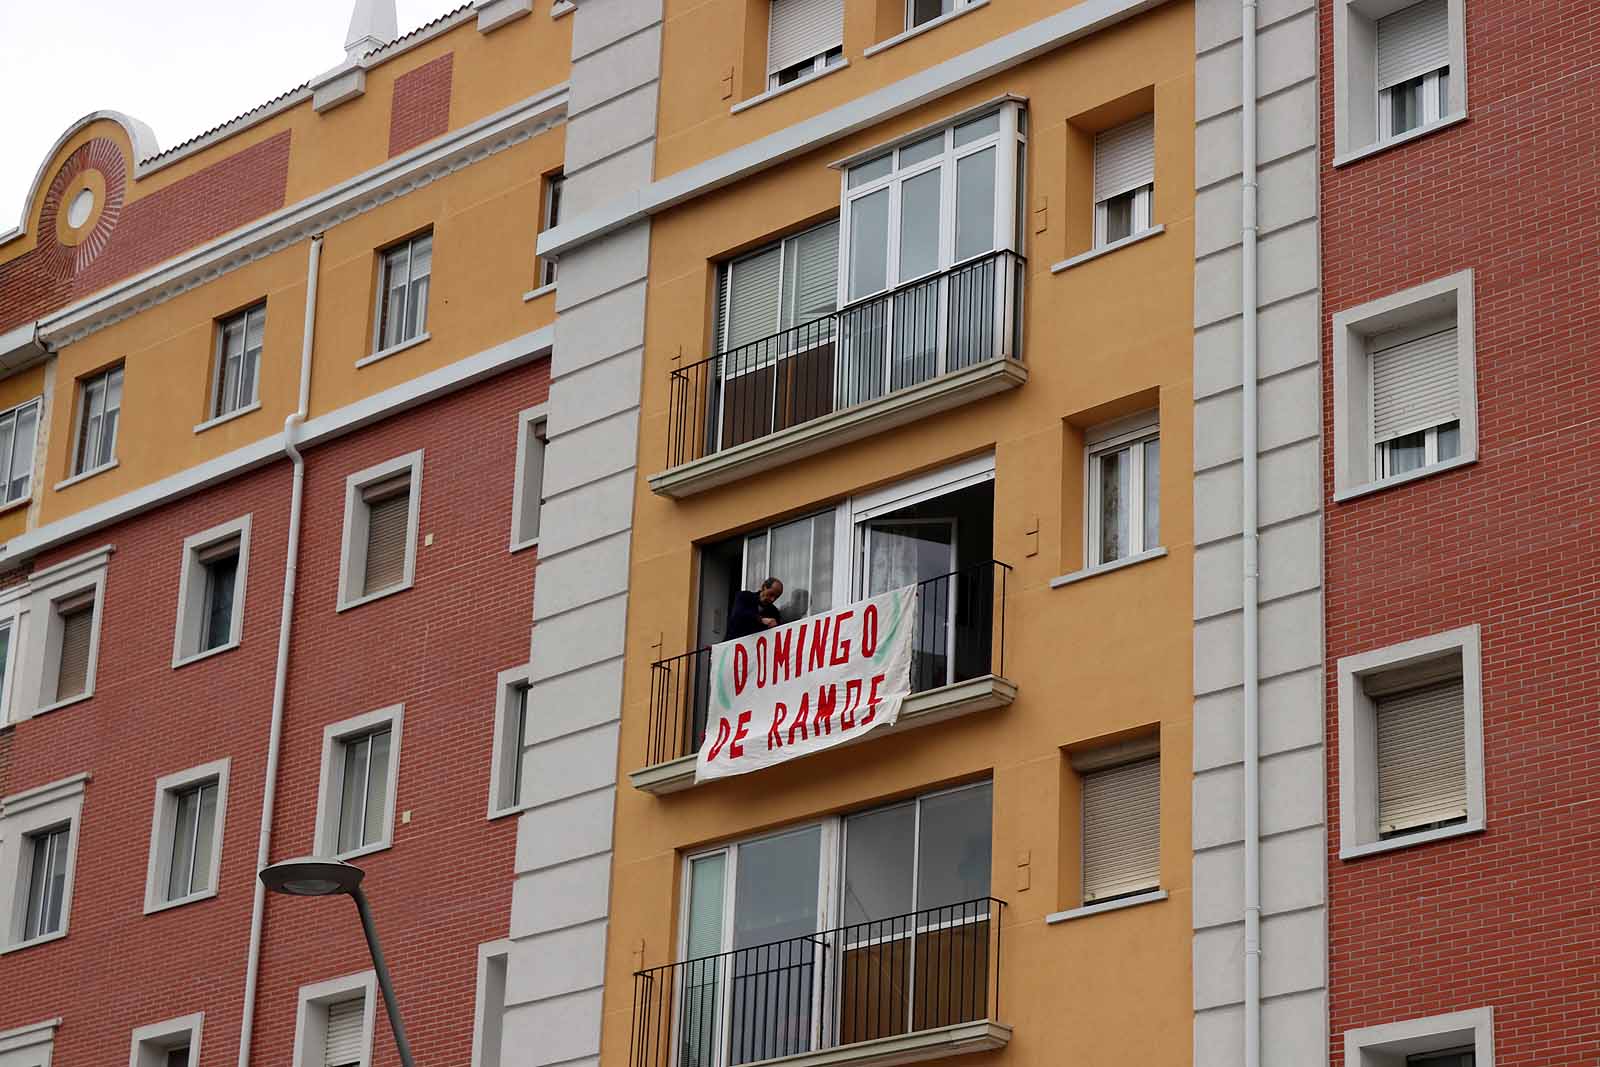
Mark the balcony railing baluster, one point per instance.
(963, 316)
(874, 979)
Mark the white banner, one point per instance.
(808, 685)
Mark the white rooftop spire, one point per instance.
(372, 25)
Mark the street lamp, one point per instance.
(315, 877)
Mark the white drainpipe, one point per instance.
(1251, 551)
(291, 567)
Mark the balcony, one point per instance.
(930, 345)
(889, 991)
(957, 668)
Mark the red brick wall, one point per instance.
(444, 886)
(421, 106)
(1507, 917)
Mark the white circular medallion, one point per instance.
(78, 211)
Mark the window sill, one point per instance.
(1443, 833)
(1103, 250)
(1106, 568)
(845, 426)
(207, 654)
(1149, 897)
(1342, 495)
(1394, 142)
(229, 417)
(534, 294)
(762, 98)
(20, 502)
(920, 709)
(44, 940)
(364, 850)
(562, 7)
(346, 605)
(501, 813)
(917, 31)
(385, 353)
(168, 905)
(86, 475)
(58, 705)
(518, 546)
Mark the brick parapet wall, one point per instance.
(444, 886)
(420, 110)
(1506, 917)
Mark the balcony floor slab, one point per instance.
(920, 709)
(957, 1040)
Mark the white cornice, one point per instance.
(942, 79)
(323, 428)
(396, 177)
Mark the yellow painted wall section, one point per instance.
(1091, 660)
(485, 221)
(20, 388)
(710, 68)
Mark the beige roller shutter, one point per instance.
(1413, 41)
(1121, 830)
(1414, 386)
(77, 632)
(1125, 158)
(342, 1046)
(1422, 757)
(388, 524)
(802, 29)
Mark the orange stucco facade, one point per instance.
(1093, 661)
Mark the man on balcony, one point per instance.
(757, 611)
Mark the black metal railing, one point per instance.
(872, 979)
(969, 314)
(960, 635)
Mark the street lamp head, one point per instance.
(312, 876)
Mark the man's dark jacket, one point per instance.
(748, 613)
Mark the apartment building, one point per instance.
(952, 298)
(1458, 340)
(274, 404)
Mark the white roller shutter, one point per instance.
(1125, 158)
(1121, 830)
(342, 1046)
(753, 298)
(1422, 760)
(1414, 386)
(1412, 42)
(802, 29)
(813, 274)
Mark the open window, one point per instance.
(1399, 71)
(1124, 180)
(804, 37)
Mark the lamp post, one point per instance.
(314, 877)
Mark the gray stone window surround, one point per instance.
(1353, 330)
(1358, 768)
(1355, 83)
(1388, 1044)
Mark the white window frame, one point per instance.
(311, 1015)
(34, 1043)
(33, 811)
(1433, 106)
(1355, 464)
(214, 412)
(50, 588)
(1388, 1044)
(13, 611)
(1357, 116)
(330, 785)
(1358, 766)
(955, 7)
(506, 759)
(15, 416)
(379, 349)
(353, 544)
(152, 1043)
(819, 63)
(161, 828)
(83, 384)
(532, 423)
(1143, 199)
(549, 218)
(189, 630)
(1132, 433)
(494, 959)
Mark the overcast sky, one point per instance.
(181, 66)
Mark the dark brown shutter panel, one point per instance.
(387, 524)
(77, 627)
